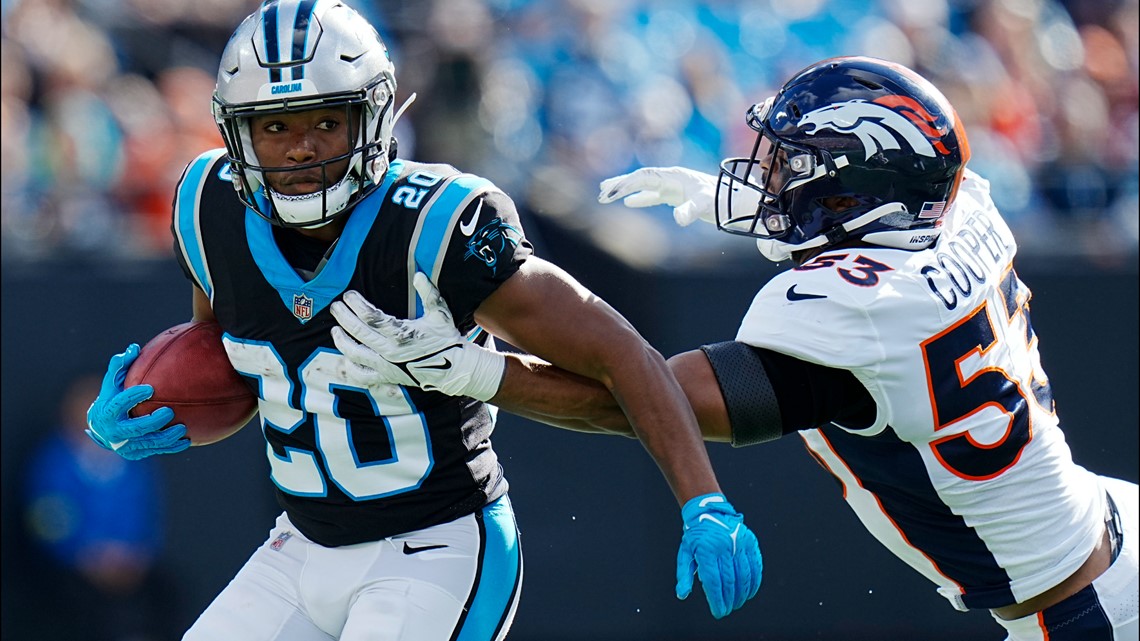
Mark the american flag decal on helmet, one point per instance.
(932, 210)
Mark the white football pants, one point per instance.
(1111, 600)
(458, 580)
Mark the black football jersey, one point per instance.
(356, 464)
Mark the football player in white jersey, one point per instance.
(899, 347)
(396, 523)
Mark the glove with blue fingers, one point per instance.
(721, 550)
(109, 425)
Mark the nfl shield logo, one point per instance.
(302, 307)
(279, 542)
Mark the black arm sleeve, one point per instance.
(769, 394)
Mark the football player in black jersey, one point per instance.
(397, 523)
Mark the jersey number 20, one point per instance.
(298, 471)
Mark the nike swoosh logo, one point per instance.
(468, 228)
(423, 548)
(445, 365)
(793, 295)
(709, 517)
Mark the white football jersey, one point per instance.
(964, 474)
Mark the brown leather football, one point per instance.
(191, 374)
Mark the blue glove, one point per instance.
(131, 438)
(721, 550)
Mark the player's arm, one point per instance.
(542, 309)
(740, 394)
(203, 311)
(540, 391)
(108, 420)
(601, 363)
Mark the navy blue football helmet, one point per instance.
(872, 132)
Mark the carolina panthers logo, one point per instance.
(880, 125)
(490, 241)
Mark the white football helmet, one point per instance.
(293, 55)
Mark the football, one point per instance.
(191, 374)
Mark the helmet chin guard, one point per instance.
(297, 55)
(301, 210)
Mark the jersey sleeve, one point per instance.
(485, 247)
(812, 316)
(186, 225)
(769, 394)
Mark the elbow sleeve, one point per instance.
(749, 397)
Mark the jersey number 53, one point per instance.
(1005, 368)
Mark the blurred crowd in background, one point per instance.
(105, 101)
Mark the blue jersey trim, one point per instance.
(500, 574)
(438, 221)
(186, 218)
(336, 274)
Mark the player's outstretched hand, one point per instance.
(692, 194)
(426, 352)
(109, 424)
(721, 550)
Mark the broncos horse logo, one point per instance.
(880, 124)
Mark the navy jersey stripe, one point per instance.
(301, 35)
(1077, 618)
(272, 55)
(894, 472)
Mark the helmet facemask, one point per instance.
(369, 150)
(760, 193)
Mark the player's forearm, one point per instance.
(645, 388)
(537, 390)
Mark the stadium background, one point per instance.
(105, 100)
